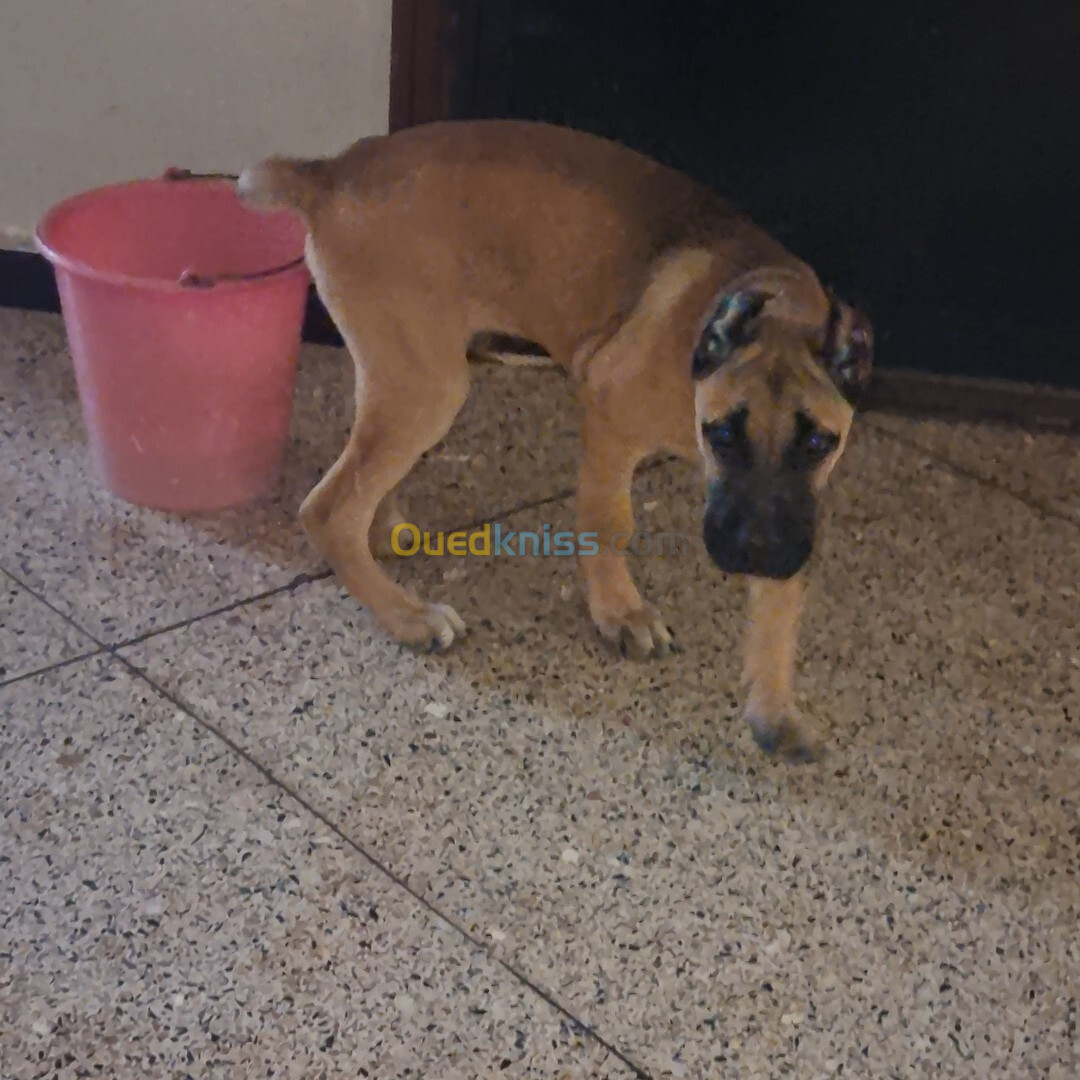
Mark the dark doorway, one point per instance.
(923, 157)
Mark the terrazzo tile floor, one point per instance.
(243, 835)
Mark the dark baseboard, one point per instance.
(26, 281)
(997, 401)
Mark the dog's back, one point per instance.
(558, 230)
(661, 203)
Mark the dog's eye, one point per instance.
(720, 436)
(819, 444)
(726, 433)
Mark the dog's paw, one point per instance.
(639, 634)
(434, 628)
(785, 739)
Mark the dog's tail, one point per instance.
(286, 184)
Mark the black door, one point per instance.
(924, 158)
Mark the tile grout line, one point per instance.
(376, 863)
(559, 496)
(50, 668)
(1041, 508)
(102, 647)
(52, 607)
(234, 605)
(305, 578)
(519, 508)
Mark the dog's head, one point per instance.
(775, 397)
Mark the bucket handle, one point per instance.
(189, 279)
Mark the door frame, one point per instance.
(431, 45)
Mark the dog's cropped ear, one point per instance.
(847, 349)
(731, 325)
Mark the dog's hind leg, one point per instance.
(407, 398)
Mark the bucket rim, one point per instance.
(179, 285)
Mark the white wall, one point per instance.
(93, 91)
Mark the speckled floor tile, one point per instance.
(32, 635)
(1043, 467)
(906, 908)
(120, 571)
(169, 913)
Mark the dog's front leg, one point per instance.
(769, 667)
(606, 521)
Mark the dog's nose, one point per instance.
(745, 544)
(750, 537)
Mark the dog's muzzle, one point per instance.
(767, 533)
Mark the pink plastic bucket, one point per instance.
(183, 312)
